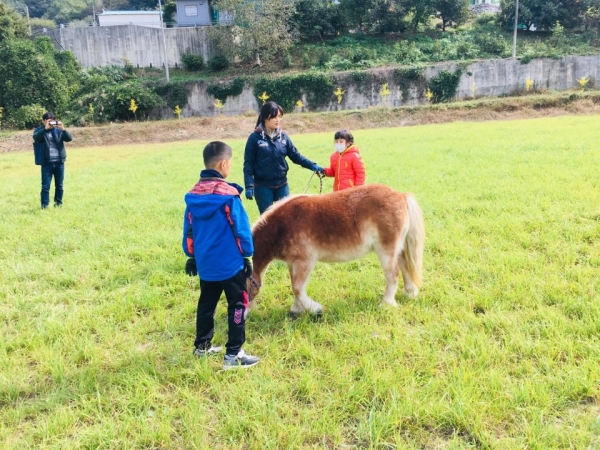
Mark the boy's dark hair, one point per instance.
(345, 135)
(268, 111)
(48, 115)
(216, 151)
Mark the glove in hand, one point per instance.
(248, 267)
(249, 194)
(318, 169)
(190, 267)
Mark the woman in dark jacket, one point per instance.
(265, 166)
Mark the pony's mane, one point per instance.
(262, 220)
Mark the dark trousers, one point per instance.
(237, 310)
(266, 196)
(56, 170)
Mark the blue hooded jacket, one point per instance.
(216, 229)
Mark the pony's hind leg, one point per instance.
(391, 271)
(299, 273)
(410, 289)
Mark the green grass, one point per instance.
(500, 350)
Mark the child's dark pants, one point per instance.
(237, 304)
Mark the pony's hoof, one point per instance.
(387, 305)
(412, 293)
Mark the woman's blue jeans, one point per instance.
(266, 196)
(56, 170)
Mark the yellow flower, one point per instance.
(177, 111)
(264, 97)
(528, 83)
(384, 92)
(428, 95)
(218, 104)
(339, 93)
(133, 106)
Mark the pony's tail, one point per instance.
(415, 240)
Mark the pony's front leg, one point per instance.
(299, 273)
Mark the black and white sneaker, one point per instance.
(239, 361)
(202, 352)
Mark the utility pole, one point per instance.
(162, 29)
(514, 55)
(28, 21)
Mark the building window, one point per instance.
(191, 11)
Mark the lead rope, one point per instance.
(320, 182)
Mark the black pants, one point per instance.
(237, 307)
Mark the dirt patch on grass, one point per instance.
(224, 127)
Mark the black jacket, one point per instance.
(264, 159)
(41, 149)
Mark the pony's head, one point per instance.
(252, 287)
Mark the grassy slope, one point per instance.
(499, 351)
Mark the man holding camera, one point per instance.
(50, 153)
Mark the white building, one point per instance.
(141, 18)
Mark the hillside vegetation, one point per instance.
(312, 37)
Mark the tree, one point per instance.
(544, 13)
(456, 11)
(317, 18)
(29, 74)
(373, 15)
(258, 29)
(169, 8)
(149, 5)
(12, 25)
(419, 11)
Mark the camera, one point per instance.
(53, 122)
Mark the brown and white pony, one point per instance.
(338, 227)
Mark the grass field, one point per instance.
(501, 350)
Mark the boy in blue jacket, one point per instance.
(218, 240)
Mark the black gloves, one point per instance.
(247, 267)
(190, 267)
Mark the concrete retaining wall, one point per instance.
(142, 46)
(480, 79)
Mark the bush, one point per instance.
(492, 43)
(444, 86)
(218, 63)
(222, 91)
(191, 61)
(27, 116)
(173, 93)
(112, 102)
(406, 52)
(29, 74)
(288, 89)
(486, 19)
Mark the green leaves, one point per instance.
(30, 74)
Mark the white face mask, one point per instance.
(340, 147)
